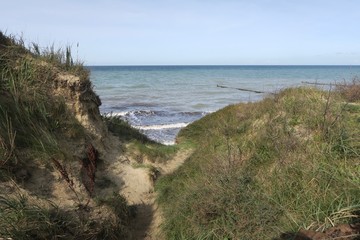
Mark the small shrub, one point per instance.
(350, 91)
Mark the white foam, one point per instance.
(162, 126)
(119, 114)
(115, 114)
(168, 143)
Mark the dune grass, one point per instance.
(23, 217)
(34, 127)
(261, 169)
(30, 117)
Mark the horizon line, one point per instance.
(210, 65)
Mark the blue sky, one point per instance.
(167, 32)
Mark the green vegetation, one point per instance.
(140, 146)
(24, 218)
(39, 134)
(31, 118)
(261, 169)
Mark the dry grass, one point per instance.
(350, 91)
(36, 129)
(261, 169)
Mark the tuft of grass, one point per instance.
(153, 152)
(119, 228)
(261, 169)
(24, 218)
(59, 58)
(21, 219)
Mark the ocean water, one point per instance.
(160, 100)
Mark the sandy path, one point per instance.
(139, 190)
(115, 173)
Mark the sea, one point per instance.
(160, 100)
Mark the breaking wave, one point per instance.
(162, 126)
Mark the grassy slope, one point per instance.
(261, 169)
(36, 128)
(31, 119)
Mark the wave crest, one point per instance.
(162, 126)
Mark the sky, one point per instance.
(192, 32)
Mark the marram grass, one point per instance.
(261, 169)
(34, 125)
